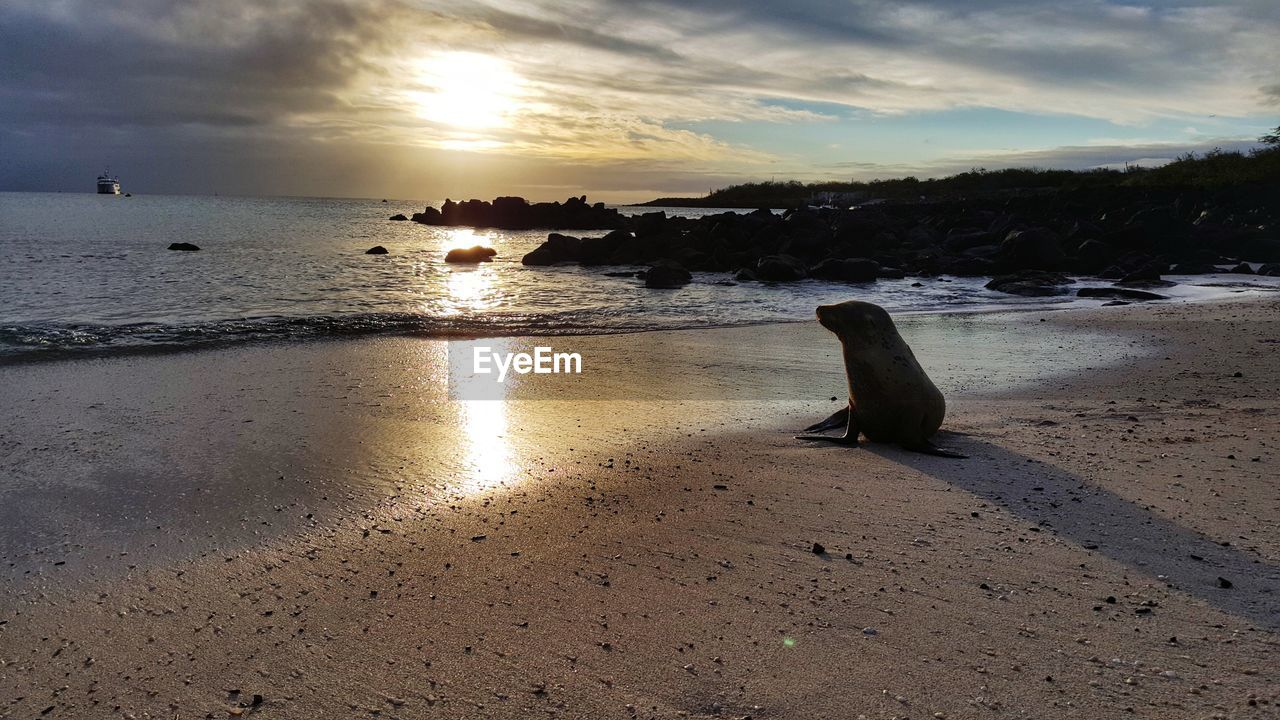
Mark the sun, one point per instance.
(467, 91)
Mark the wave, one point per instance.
(25, 343)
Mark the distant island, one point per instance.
(1215, 170)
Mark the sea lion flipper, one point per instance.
(837, 439)
(845, 417)
(928, 448)
(839, 418)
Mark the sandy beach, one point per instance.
(318, 530)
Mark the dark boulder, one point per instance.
(780, 268)
(848, 270)
(399, 217)
(1193, 268)
(959, 241)
(746, 275)
(471, 255)
(185, 247)
(1031, 284)
(653, 223)
(667, 276)
(967, 266)
(1093, 256)
(1243, 268)
(1270, 270)
(1148, 273)
(1116, 292)
(558, 248)
(1032, 249)
(376, 250)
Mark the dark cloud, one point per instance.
(161, 64)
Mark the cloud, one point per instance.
(609, 84)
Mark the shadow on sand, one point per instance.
(1103, 522)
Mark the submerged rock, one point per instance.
(376, 250)
(667, 276)
(1031, 284)
(1115, 292)
(398, 217)
(186, 247)
(471, 255)
(780, 268)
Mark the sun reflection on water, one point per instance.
(469, 289)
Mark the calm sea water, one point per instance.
(91, 273)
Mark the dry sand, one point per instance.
(317, 531)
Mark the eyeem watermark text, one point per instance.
(542, 361)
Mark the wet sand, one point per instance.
(320, 525)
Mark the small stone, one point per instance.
(818, 549)
(870, 631)
(1224, 583)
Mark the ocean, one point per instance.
(84, 274)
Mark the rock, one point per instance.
(185, 247)
(818, 549)
(1032, 249)
(780, 268)
(1270, 270)
(650, 224)
(558, 248)
(1093, 256)
(1150, 272)
(398, 217)
(848, 270)
(1243, 268)
(1193, 268)
(471, 255)
(376, 250)
(516, 213)
(1225, 584)
(667, 276)
(746, 275)
(1115, 292)
(1030, 284)
(959, 241)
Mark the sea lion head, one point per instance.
(855, 320)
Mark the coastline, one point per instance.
(655, 552)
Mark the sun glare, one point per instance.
(467, 91)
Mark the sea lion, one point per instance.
(891, 399)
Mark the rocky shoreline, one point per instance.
(1027, 242)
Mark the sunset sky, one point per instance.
(622, 100)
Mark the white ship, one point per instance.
(108, 185)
